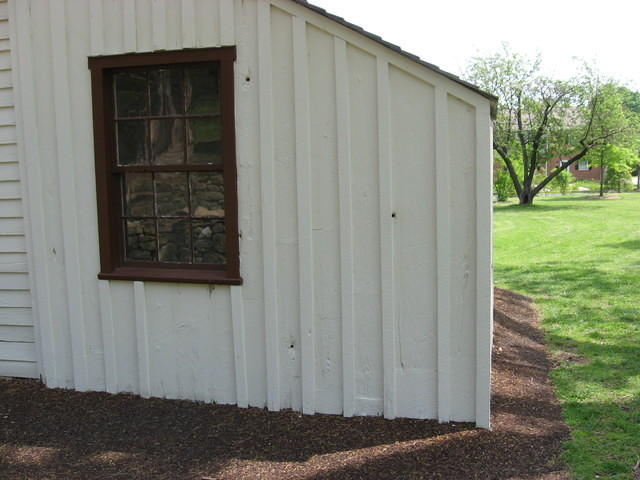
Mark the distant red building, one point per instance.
(581, 170)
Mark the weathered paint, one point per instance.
(18, 354)
(364, 209)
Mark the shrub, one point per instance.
(504, 186)
(618, 178)
(563, 182)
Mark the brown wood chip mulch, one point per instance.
(59, 434)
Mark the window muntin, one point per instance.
(165, 166)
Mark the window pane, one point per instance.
(209, 241)
(138, 195)
(172, 194)
(131, 94)
(202, 89)
(204, 146)
(140, 239)
(167, 91)
(132, 142)
(207, 194)
(167, 141)
(175, 244)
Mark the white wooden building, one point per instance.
(362, 285)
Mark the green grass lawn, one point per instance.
(580, 261)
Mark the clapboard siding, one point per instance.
(16, 316)
(10, 208)
(5, 59)
(9, 172)
(338, 144)
(9, 150)
(12, 226)
(6, 94)
(17, 351)
(14, 281)
(18, 369)
(10, 190)
(17, 334)
(13, 262)
(7, 115)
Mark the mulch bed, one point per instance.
(60, 434)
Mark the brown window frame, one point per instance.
(113, 265)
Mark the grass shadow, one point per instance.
(628, 244)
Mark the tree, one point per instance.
(540, 118)
(631, 101)
(616, 164)
(611, 152)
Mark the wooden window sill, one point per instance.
(210, 277)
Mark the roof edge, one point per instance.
(376, 38)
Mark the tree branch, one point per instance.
(523, 141)
(563, 166)
(502, 151)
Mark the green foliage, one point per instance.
(585, 282)
(538, 178)
(563, 182)
(618, 178)
(630, 99)
(540, 118)
(618, 163)
(503, 186)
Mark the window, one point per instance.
(165, 166)
(583, 165)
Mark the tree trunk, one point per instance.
(526, 197)
(602, 173)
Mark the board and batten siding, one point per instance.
(364, 209)
(18, 355)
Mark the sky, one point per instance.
(448, 33)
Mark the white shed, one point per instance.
(249, 202)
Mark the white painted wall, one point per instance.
(18, 354)
(344, 309)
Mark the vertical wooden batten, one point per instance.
(110, 344)
(129, 26)
(443, 252)
(346, 226)
(227, 22)
(389, 331)
(239, 348)
(305, 237)
(159, 24)
(267, 185)
(484, 274)
(188, 24)
(26, 106)
(142, 339)
(96, 21)
(66, 157)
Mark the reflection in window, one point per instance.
(170, 117)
